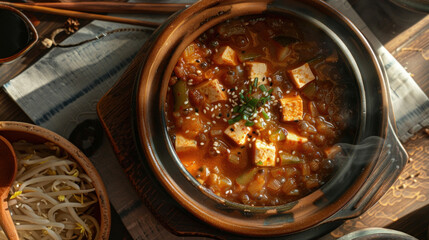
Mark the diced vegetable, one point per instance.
(311, 182)
(305, 170)
(234, 158)
(248, 56)
(287, 158)
(283, 52)
(309, 90)
(274, 184)
(285, 42)
(278, 135)
(246, 177)
(180, 92)
(301, 75)
(289, 186)
(312, 109)
(331, 152)
(292, 108)
(191, 55)
(257, 185)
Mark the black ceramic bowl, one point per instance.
(374, 157)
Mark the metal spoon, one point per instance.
(8, 169)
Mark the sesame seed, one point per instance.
(188, 117)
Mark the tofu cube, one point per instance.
(264, 154)
(301, 75)
(292, 108)
(294, 139)
(238, 132)
(184, 144)
(226, 56)
(257, 70)
(212, 91)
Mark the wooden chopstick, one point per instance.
(82, 15)
(113, 7)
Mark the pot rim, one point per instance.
(162, 175)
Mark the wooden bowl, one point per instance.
(15, 131)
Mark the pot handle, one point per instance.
(392, 160)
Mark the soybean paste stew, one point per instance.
(255, 106)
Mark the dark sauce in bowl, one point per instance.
(14, 33)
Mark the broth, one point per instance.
(255, 107)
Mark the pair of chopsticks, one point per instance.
(74, 9)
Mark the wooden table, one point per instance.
(405, 34)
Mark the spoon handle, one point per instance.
(6, 222)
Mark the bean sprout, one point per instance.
(52, 197)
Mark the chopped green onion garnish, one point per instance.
(249, 123)
(265, 115)
(241, 109)
(253, 102)
(242, 96)
(236, 108)
(250, 104)
(234, 120)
